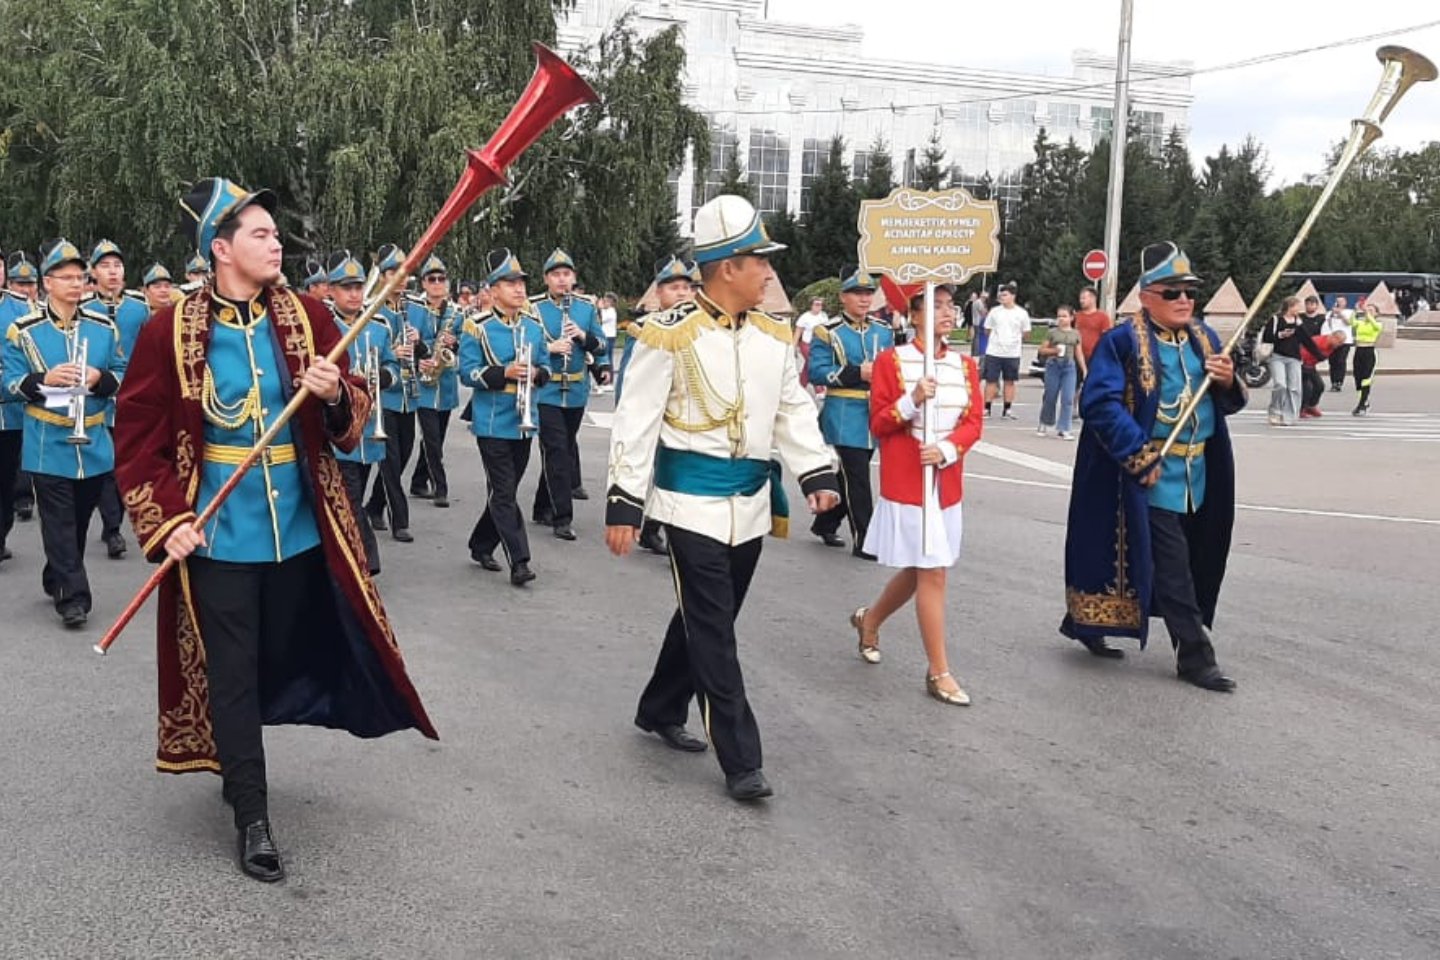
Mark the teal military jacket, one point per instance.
(403, 395)
(12, 308)
(836, 353)
(569, 384)
(372, 342)
(129, 313)
(444, 392)
(488, 344)
(268, 518)
(35, 344)
(1181, 487)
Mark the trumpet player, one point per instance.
(65, 366)
(400, 401)
(17, 498)
(372, 356)
(438, 320)
(572, 332)
(502, 359)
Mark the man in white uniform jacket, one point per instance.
(711, 390)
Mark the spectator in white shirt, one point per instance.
(1338, 321)
(1007, 325)
(805, 325)
(609, 326)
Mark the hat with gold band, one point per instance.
(729, 226)
(557, 259)
(433, 264)
(103, 249)
(855, 280)
(389, 257)
(1165, 262)
(347, 271)
(22, 268)
(503, 265)
(58, 253)
(212, 201)
(197, 264)
(670, 268)
(155, 273)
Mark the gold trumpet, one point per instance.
(1403, 68)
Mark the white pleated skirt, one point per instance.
(895, 538)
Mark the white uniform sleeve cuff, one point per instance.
(952, 453)
(907, 407)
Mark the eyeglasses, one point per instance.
(435, 278)
(68, 277)
(1175, 293)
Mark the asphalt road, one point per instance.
(1079, 809)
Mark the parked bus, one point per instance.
(1408, 288)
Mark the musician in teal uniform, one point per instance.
(438, 320)
(1145, 537)
(16, 300)
(400, 400)
(572, 331)
(60, 346)
(842, 355)
(372, 357)
(197, 271)
(127, 310)
(158, 287)
(492, 364)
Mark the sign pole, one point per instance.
(1119, 131)
(927, 419)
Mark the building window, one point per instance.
(860, 167)
(1020, 112)
(1149, 126)
(812, 156)
(1103, 119)
(973, 114)
(724, 146)
(1064, 117)
(769, 169)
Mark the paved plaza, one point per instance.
(1079, 809)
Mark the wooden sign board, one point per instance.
(915, 236)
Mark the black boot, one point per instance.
(259, 857)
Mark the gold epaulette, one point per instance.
(823, 332)
(674, 329)
(777, 328)
(28, 320)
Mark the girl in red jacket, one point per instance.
(900, 398)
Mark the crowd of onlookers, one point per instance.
(1301, 337)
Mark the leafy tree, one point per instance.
(831, 227)
(880, 175)
(736, 181)
(827, 289)
(930, 174)
(794, 265)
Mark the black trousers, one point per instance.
(400, 428)
(1174, 548)
(430, 465)
(1364, 373)
(10, 444)
(112, 512)
(253, 617)
(24, 489)
(856, 502)
(1338, 356)
(699, 658)
(559, 458)
(1312, 386)
(65, 507)
(501, 524)
(356, 474)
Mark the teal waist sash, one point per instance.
(701, 475)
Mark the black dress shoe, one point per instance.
(421, 493)
(1209, 678)
(1098, 646)
(579, 493)
(259, 857)
(859, 553)
(750, 785)
(829, 539)
(545, 518)
(440, 500)
(564, 532)
(377, 522)
(521, 574)
(486, 560)
(115, 545)
(72, 614)
(674, 734)
(403, 535)
(5, 553)
(654, 542)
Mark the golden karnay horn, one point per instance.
(1403, 68)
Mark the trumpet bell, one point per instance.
(1403, 69)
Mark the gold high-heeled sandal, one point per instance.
(957, 698)
(869, 645)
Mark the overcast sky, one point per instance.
(1298, 106)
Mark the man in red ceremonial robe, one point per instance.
(270, 616)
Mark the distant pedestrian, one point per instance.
(805, 325)
(1312, 384)
(1338, 321)
(1092, 322)
(1368, 328)
(1064, 364)
(1007, 325)
(1286, 334)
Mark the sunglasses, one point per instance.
(1175, 293)
(435, 278)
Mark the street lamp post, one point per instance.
(1119, 129)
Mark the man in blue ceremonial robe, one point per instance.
(1145, 537)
